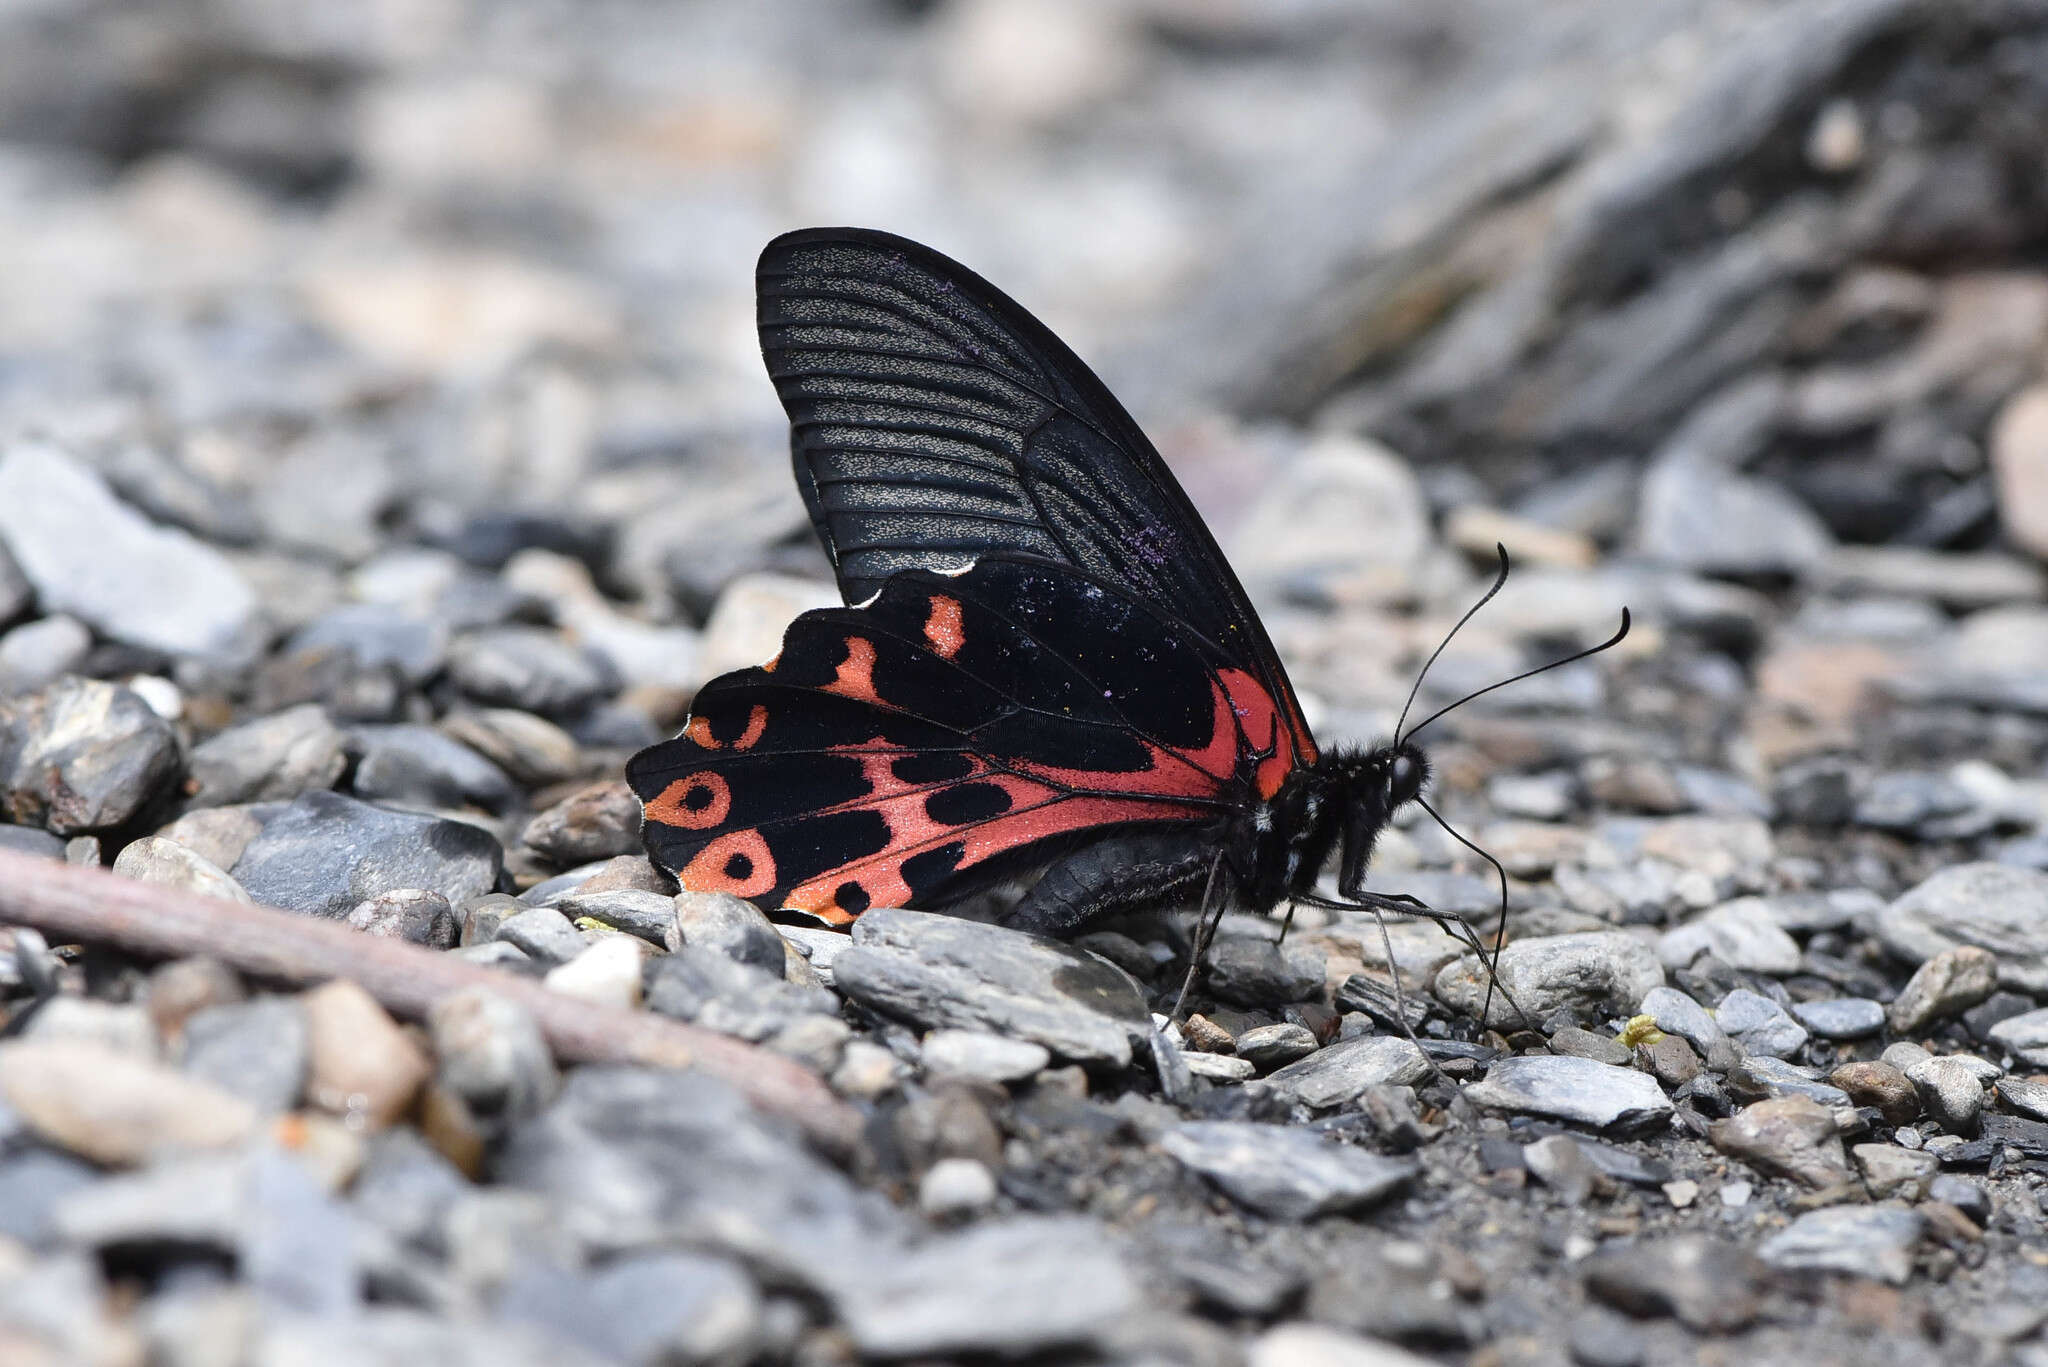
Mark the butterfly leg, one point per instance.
(1117, 874)
(1205, 931)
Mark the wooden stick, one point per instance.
(95, 906)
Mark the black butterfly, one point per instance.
(1045, 661)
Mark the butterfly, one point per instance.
(1044, 661)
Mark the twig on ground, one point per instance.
(97, 907)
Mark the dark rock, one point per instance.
(527, 668)
(82, 755)
(720, 993)
(1707, 1284)
(418, 766)
(1252, 971)
(731, 925)
(256, 1050)
(599, 822)
(375, 636)
(939, 970)
(325, 854)
(411, 914)
(1390, 1291)
(1284, 1172)
(649, 915)
(272, 759)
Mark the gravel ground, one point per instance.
(384, 457)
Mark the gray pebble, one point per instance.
(2026, 1036)
(731, 925)
(1778, 1078)
(1253, 971)
(1268, 1047)
(36, 654)
(1590, 973)
(1840, 1017)
(490, 1053)
(545, 934)
(1996, 906)
(377, 636)
(1284, 1172)
(1759, 1024)
(1950, 1093)
(257, 1050)
(1863, 1241)
(271, 759)
(411, 914)
(1578, 1090)
(528, 668)
(417, 766)
(989, 1058)
(598, 822)
(666, 1307)
(1342, 1072)
(82, 755)
(649, 915)
(325, 854)
(1950, 982)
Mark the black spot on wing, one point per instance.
(967, 802)
(811, 846)
(926, 873)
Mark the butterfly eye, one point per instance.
(1404, 779)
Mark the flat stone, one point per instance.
(985, 1057)
(1863, 1241)
(36, 654)
(325, 854)
(527, 668)
(414, 915)
(731, 925)
(376, 637)
(1253, 971)
(1014, 1286)
(1951, 982)
(1760, 1024)
(1342, 1072)
(1776, 1077)
(1951, 1093)
(1268, 1047)
(598, 822)
(1677, 1014)
(92, 556)
(2027, 1095)
(1219, 1067)
(1590, 1044)
(417, 766)
(271, 759)
(533, 750)
(1742, 934)
(360, 1063)
(2026, 1036)
(544, 933)
(1592, 973)
(114, 1108)
(1559, 1163)
(1997, 907)
(153, 859)
(1791, 1136)
(1841, 1017)
(1891, 1172)
(649, 915)
(645, 1308)
(82, 755)
(1284, 1172)
(1578, 1090)
(255, 1049)
(1708, 1284)
(941, 971)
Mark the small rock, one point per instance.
(122, 1026)
(1951, 982)
(326, 854)
(183, 986)
(1863, 1241)
(1742, 934)
(1760, 1024)
(2027, 1095)
(271, 759)
(153, 859)
(1591, 973)
(543, 933)
(1250, 971)
(1562, 1166)
(649, 915)
(731, 925)
(527, 668)
(257, 1050)
(1274, 1046)
(90, 555)
(1219, 1067)
(1677, 1014)
(114, 1108)
(1577, 1043)
(2026, 1036)
(1313, 1345)
(533, 750)
(1872, 1082)
(1995, 906)
(492, 1055)
(411, 914)
(36, 654)
(654, 1307)
(1841, 1017)
(955, 1186)
(866, 1071)
(361, 1064)
(1894, 1173)
(1790, 1136)
(82, 755)
(375, 637)
(941, 971)
(1572, 1089)
(1007, 1287)
(1950, 1092)
(1708, 1284)
(1671, 1060)
(417, 766)
(1283, 1172)
(1775, 1077)
(607, 973)
(983, 1057)
(1342, 1072)
(599, 822)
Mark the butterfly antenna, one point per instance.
(1487, 597)
(1500, 929)
(1607, 644)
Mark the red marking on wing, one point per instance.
(675, 808)
(738, 863)
(699, 730)
(943, 629)
(856, 676)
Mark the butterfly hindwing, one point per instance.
(934, 422)
(913, 749)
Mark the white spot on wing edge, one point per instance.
(958, 571)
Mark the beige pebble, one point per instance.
(114, 1108)
(364, 1068)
